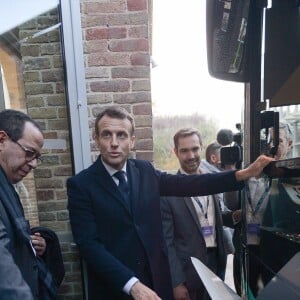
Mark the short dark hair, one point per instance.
(184, 133)
(212, 148)
(115, 112)
(13, 122)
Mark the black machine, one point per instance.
(258, 43)
(232, 151)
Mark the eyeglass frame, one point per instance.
(28, 152)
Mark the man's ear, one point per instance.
(96, 140)
(132, 142)
(176, 151)
(3, 137)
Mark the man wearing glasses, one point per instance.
(21, 141)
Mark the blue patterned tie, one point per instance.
(123, 185)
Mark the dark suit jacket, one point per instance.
(12, 283)
(118, 242)
(184, 238)
(20, 260)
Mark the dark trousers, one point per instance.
(221, 272)
(212, 264)
(197, 294)
(255, 270)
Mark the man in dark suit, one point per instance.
(118, 229)
(193, 226)
(21, 141)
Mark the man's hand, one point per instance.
(237, 216)
(141, 292)
(38, 243)
(180, 292)
(255, 169)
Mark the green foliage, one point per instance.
(164, 129)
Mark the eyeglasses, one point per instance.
(30, 155)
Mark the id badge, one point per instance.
(253, 228)
(207, 230)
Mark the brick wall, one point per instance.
(117, 63)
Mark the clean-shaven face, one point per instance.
(115, 140)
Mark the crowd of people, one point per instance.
(136, 227)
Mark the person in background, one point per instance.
(114, 208)
(192, 226)
(212, 164)
(280, 213)
(21, 141)
(285, 142)
(258, 212)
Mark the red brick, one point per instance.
(140, 59)
(142, 109)
(147, 155)
(134, 5)
(50, 135)
(131, 72)
(144, 144)
(105, 33)
(110, 86)
(143, 133)
(129, 45)
(45, 195)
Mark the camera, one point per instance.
(231, 155)
(231, 152)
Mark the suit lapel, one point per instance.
(106, 182)
(189, 203)
(134, 182)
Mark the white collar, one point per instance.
(111, 171)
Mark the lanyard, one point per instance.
(260, 200)
(201, 206)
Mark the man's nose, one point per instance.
(114, 140)
(33, 163)
(191, 154)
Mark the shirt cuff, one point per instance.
(127, 287)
